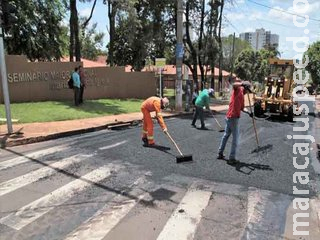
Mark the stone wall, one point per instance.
(45, 81)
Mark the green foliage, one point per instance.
(270, 51)
(144, 30)
(313, 67)
(37, 33)
(227, 45)
(250, 65)
(91, 43)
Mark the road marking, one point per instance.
(112, 146)
(35, 155)
(97, 227)
(182, 225)
(36, 209)
(34, 176)
(266, 214)
(104, 220)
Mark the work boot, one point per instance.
(204, 128)
(221, 156)
(232, 161)
(193, 125)
(145, 140)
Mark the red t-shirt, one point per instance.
(236, 103)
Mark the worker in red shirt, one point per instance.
(152, 104)
(236, 105)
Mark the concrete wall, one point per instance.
(43, 81)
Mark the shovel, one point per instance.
(221, 129)
(181, 158)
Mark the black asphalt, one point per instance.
(270, 168)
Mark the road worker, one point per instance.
(236, 105)
(152, 104)
(203, 100)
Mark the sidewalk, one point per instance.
(36, 132)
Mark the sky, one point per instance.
(246, 16)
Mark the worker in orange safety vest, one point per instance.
(152, 104)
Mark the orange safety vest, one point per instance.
(153, 104)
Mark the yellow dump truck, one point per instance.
(277, 95)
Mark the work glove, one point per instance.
(165, 131)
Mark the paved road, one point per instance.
(105, 185)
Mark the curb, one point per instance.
(4, 143)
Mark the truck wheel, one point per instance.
(290, 114)
(258, 111)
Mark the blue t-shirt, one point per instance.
(76, 79)
(203, 99)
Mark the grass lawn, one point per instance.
(65, 110)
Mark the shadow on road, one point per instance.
(160, 148)
(248, 168)
(149, 203)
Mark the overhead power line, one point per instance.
(272, 22)
(284, 11)
(231, 24)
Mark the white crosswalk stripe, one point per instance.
(103, 221)
(266, 214)
(182, 225)
(14, 184)
(36, 209)
(200, 209)
(35, 155)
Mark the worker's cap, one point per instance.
(165, 102)
(247, 86)
(211, 91)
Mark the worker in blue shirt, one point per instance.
(203, 100)
(76, 86)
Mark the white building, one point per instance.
(260, 38)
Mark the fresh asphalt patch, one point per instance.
(269, 166)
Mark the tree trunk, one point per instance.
(200, 45)
(111, 15)
(220, 48)
(192, 50)
(76, 35)
(71, 21)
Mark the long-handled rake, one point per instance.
(254, 123)
(221, 128)
(258, 149)
(181, 158)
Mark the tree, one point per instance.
(114, 6)
(206, 22)
(191, 59)
(228, 56)
(250, 65)
(143, 30)
(74, 32)
(272, 50)
(38, 31)
(313, 67)
(91, 42)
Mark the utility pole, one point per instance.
(5, 82)
(220, 47)
(179, 57)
